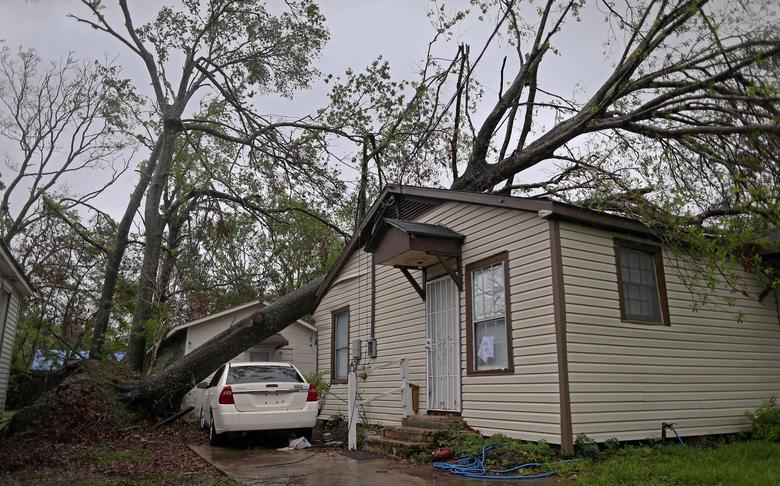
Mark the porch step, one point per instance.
(394, 447)
(413, 434)
(437, 422)
(417, 434)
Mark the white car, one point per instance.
(243, 397)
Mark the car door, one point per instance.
(212, 394)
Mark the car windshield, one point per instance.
(262, 374)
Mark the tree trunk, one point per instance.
(163, 390)
(154, 226)
(362, 203)
(111, 274)
(174, 224)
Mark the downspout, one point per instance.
(371, 344)
(559, 310)
(373, 297)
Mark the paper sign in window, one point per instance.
(486, 349)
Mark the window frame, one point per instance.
(5, 306)
(471, 369)
(333, 315)
(660, 280)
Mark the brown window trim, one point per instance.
(470, 268)
(659, 279)
(333, 315)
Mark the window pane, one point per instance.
(262, 374)
(342, 330)
(341, 363)
(641, 301)
(490, 346)
(488, 297)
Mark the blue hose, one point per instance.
(474, 467)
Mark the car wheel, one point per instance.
(215, 439)
(202, 421)
(306, 433)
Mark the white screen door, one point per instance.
(442, 315)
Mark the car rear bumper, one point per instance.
(226, 420)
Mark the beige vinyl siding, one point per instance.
(7, 347)
(524, 404)
(301, 350)
(702, 372)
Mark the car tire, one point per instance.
(215, 439)
(306, 433)
(202, 421)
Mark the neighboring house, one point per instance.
(296, 344)
(14, 286)
(541, 321)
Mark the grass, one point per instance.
(126, 456)
(7, 415)
(751, 463)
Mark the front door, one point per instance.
(442, 315)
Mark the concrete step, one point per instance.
(394, 447)
(413, 434)
(437, 422)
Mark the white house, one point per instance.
(296, 344)
(14, 286)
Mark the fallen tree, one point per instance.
(666, 125)
(163, 390)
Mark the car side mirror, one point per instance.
(202, 385)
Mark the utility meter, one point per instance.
(357, 347)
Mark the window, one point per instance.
(641, 283)
(262, 374)
(216, 377)
(340, 345)
(489, 332)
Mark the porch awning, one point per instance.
(275, 340)
(409, 244)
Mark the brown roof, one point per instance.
(407, 202)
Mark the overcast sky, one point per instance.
(360, 31)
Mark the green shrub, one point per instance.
(322, 385)
(586, 447)
(766, 421)
(612, 444)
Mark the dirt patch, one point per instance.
(80, 433)
(146, 455)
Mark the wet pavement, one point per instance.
(331, 467)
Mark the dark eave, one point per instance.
(12, 271)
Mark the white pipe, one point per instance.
(352, 410)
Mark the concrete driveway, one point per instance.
(330, 467)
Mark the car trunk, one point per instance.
(261, 397)
(267, 387)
